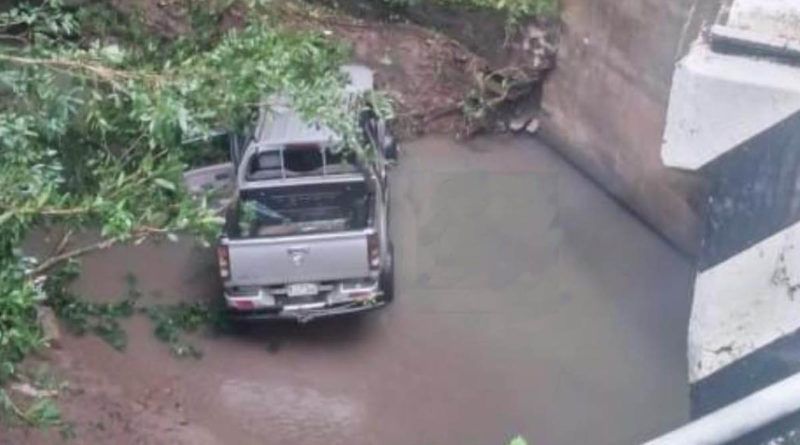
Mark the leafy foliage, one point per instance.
(41, 411)
(94, 107)
(36, 404)
(19, 333)
(519, 440)
(171, 322)
(82, 316)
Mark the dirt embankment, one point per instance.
(498, 70)
(426, 74)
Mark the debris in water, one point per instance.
(519, 123)
(47, 320)
(533, 126)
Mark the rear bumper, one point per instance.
(304, 315)
(333, 299)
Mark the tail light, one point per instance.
(243, 305)
(223, 258)
(373, 251)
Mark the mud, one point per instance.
(528, 302)
(425, 74)
(483, 31)
(438, 62)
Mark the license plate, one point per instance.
(302, 290)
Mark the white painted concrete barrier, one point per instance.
(734, 118)
(745, 303)
(719, 101)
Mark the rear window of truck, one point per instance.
(300, 210)
(296, 160)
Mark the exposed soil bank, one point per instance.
(482, 31)
(502, 67)
(528, 303)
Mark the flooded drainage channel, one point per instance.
(527, 303)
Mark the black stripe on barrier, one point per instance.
(754, 192)
(757, 370)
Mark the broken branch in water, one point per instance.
(141, 233)
(54, 260)
(63, 243)
(78, 68)
(8, 403)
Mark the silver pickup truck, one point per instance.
(307, 235)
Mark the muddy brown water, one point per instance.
(527, 303)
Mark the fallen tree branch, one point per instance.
(60, 212)
(442, 112)
(63, 243)
(47, 211)
(8, 403)
(14, 38)
(54, 260)
(337, 23)
(142, 232)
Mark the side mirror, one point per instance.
(234, 148)
(390, 148)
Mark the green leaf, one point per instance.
(44, 412)
(163, 183)
(519, 440)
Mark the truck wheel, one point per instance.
(387, 277)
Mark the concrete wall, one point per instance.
(605, 103)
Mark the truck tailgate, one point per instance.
(299, 259)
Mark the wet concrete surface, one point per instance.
(527, 303)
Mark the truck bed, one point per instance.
(297, 234)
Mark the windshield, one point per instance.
(296, 160)
(299, 210)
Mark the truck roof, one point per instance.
(280, 124)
